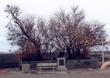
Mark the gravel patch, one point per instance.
(77, 73)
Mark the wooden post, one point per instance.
(102, 51)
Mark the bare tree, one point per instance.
(25, 32)
(71, 33)
(65, 34)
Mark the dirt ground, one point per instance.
(76, 73)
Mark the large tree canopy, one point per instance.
(26, 32)
(65, 34)
(73, 34)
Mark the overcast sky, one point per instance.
(94, 10)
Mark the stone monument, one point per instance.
(25, 68)
(61, 64)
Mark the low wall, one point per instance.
(8, 61)
(71, 64)
(89, 63)
(9, 65)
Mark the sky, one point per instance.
(94, 10)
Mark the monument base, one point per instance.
(62, 69)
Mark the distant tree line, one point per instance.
(65, 34)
